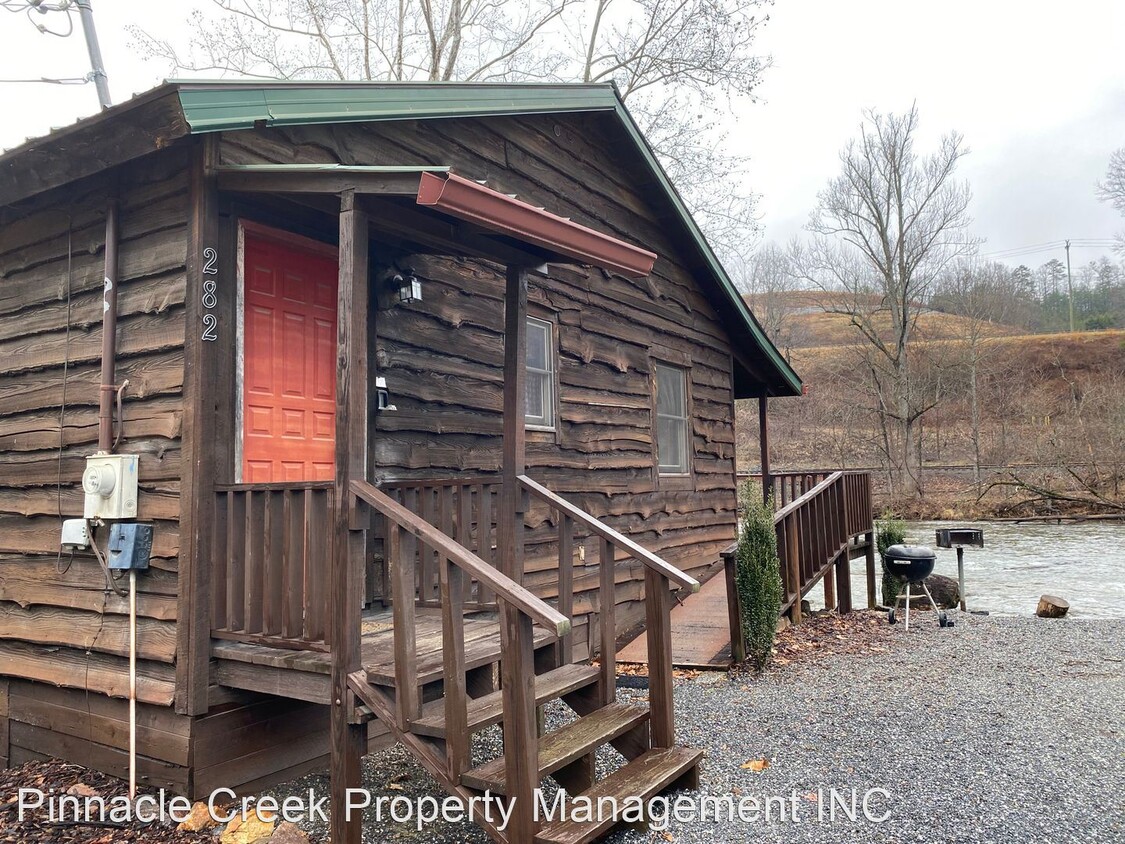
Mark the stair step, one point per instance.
(482, 647)
(565, 745)
(489, 709)
(644, 777)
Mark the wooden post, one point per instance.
(791, 532)
(515, 376)
(658, 606)
(764, 444)
(869, 555)
(734, 608)
(566, 585)
(202, 376)
(349, 741)
(844, 583)
(521, 746)
(829, 588)
(457, 738)
(607, 620)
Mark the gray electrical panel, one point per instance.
(130, 545)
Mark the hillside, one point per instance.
(806, 321)
(1052, 413)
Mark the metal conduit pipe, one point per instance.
(109, 331)
(108, 391)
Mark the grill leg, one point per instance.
(933, 603)
(961, 576)
(908, 606)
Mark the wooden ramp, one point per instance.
(700, 630)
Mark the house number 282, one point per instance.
(210, 297)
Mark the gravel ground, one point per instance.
(997, 730)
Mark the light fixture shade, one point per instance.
(410, 290)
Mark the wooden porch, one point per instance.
(823, 521)
(462, 646)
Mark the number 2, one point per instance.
(210, 323)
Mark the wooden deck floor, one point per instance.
(700, 631)
(304, 674)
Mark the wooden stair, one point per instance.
(566, 754)
(488, 710)
(434, 692)
(644, 777)
(565, 745)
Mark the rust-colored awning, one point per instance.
(501, 214)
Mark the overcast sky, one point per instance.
(1037, 88)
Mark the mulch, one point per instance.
(827, 634)
(36, 825)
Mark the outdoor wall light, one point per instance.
(409, 287)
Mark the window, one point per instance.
(671, 420)
(539, 410)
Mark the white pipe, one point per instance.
(132, 684)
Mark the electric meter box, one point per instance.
(110, 484)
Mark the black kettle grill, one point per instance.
(912, 563)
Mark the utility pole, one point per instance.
(1069, 287)
(97, 68)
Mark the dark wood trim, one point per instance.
(521, 746)
(764, 444)
(270, 179)
(201, 370)
(349, 741)
(515, 431)
(152, 122)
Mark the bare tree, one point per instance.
(982, 295)
(1112, 190)
(766, 279)
(884, 229)
(676, 62)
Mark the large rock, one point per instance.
(287, 833)
(944, 590)
(199, 820)
(1051, 606)
(248, 829)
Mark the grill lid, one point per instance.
(909, 553)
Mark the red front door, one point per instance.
(289, 363)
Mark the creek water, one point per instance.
(1083, 563)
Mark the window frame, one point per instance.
(552, 373)
(662, 479)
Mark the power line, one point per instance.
(97, 73)
(1051, 246)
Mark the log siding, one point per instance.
(443, 356)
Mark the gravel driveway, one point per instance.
(997, 730)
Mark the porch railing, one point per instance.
(816, 535)
(661, 579)
(271, 552)
(407, 534)
(464, 509)
(789, 486)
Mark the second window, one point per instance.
(671, 419)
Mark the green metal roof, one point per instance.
(224, 106)
(214, 107)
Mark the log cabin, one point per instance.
(430, 389)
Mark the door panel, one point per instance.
(289, 367)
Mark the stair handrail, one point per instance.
(661, 578)
(505, 588)
(797, 503)
(599, 528)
